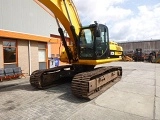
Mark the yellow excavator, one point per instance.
(90, 47)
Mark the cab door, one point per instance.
(101, 43)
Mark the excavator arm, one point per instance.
(65, 12)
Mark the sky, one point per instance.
(127, 20)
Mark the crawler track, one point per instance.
(87, 85)
(46, 78)
(91, 84)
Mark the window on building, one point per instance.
(42, 55)
(10, 53)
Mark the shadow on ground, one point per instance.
(62, 91)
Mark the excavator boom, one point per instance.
(66, 13)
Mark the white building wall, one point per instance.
(49, 50)
(34, 56)
(1, 53)
(27, 17)
(23, 58)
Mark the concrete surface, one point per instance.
(135, 97)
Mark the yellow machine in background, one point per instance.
(157, 58)
(91, 46)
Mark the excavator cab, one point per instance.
(94, 42)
